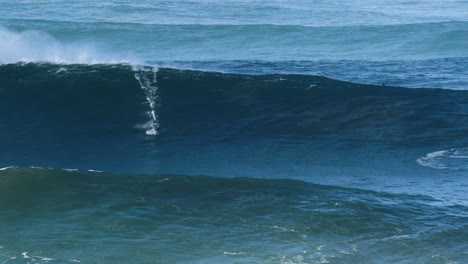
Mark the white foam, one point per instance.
(152, 132)
(146, 76)
(34, 258)
(38, 46)
(454, 159)
(96, 171)
(61, 70)
(70, 170)
(49, 168)
(234, 253)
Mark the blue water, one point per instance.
(233, 132)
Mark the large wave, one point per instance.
(96, 116)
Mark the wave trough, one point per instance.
(138, 218)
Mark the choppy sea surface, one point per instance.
(233, 132)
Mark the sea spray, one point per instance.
(41, 46)
(147, 77)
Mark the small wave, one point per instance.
(453, 159)
(7, 168)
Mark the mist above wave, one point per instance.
(39, 46)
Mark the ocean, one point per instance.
(233, 131)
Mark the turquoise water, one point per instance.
(234, 132)
(69, 217)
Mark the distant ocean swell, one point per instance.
(362, 54)
(246, 42)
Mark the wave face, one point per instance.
(102, 117)
(101, 218)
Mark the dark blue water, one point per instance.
(269, 126)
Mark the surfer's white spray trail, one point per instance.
(146, 76)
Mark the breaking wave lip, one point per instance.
(38, 46)
(7, 168)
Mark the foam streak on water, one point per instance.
(454, 159)
(147, 77)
